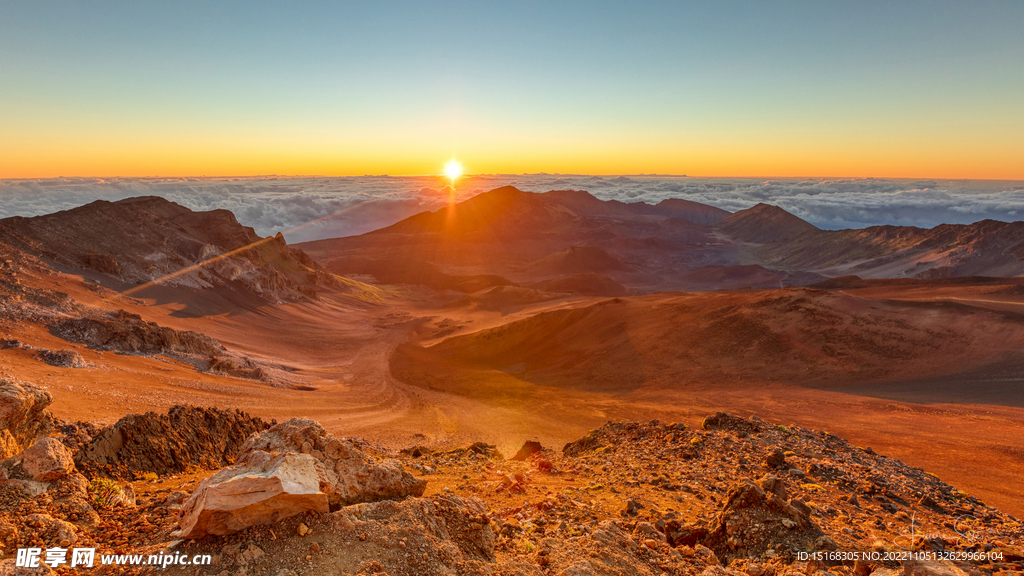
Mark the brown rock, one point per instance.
(167, 443)
(47, 460)
(9, 568)
(262, 489)
(62, 358)
(751, 522)
(23, 415)
(776, 459)
(52, 530)
(679, 534)
(529, 449)
(726, 421)
(774, 485)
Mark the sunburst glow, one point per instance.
(453, 169)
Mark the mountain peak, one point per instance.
(764, 223)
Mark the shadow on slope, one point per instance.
(799, 336)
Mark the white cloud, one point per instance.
(311, 208)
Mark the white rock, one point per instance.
(260, 489)
(347, 474)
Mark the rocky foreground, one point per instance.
(736, 496)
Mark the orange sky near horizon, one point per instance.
(169, 158)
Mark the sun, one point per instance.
(453, 169)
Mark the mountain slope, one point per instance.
(150, 239)
(693, 211)
(985, 248)
(794, 335)
(578, 260)
(763, 223)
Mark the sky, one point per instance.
(886, 89)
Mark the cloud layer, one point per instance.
(313, 208)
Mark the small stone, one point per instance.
(776, 459)
(302, 529)
(774, 485)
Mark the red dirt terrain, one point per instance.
(464, 342)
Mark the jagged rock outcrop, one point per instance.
(127, 332)
(692, 507)
(262, 489)
(166, 443)
(726, 421)
(754, 521)
(23, 415)
(347, 474)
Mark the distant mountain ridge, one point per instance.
(508, 237)
(512, 236)
(146, 239)
(508, 207)
(985, 248)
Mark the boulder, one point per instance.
(47, 460)
(262, 489)
(680, 534)
(347, 475)
(484, 449)
(23, 415)
(529, 448)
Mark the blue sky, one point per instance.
(723, 88)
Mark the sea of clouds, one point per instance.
(310, 208)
